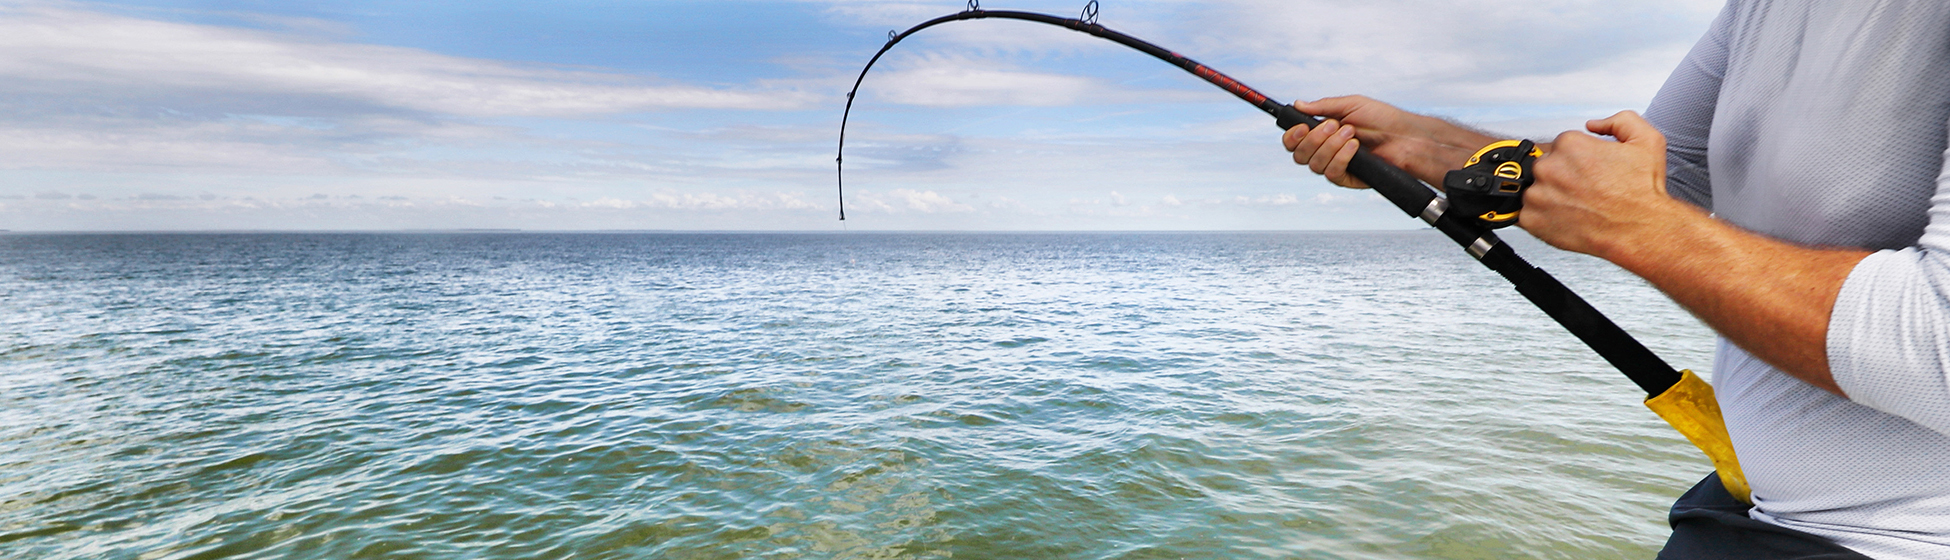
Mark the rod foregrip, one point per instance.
(1289, 117)
(1392, 183)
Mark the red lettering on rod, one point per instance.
(1229, 84)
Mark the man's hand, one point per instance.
(1426, 147)
(1596, 196)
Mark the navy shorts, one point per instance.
(1709, 524)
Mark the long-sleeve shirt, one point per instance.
(1825, 123)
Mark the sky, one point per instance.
(165, 115)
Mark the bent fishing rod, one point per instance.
(1484, 195)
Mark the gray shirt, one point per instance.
(1825, 123)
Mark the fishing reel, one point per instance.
(1489, 188)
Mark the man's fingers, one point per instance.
(1628, 127)
(1303, 151)
(1335, 140)
(1325, 149)
(1337, 168)
(1293, 135)
(1572, 137)
(1609, 126)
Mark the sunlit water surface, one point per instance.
(1278, 395)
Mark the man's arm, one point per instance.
(1608, 199)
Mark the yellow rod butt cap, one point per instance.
(1690, 407)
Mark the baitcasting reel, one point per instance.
(1490, 187)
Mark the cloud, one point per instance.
(1277, 200)
(1282, 199)
(954, 80)
(1340, 196)
(56, 50)
(174, 144)
(993, 36)
(1627, 80)
(1476, 52)
(1523, 69)
(663, 199)
(941, 82)
(1420, 52)
(673, 200)
(899, 201)
(84, 90)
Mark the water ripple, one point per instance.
(1315, 395)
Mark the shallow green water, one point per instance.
(1334, 395)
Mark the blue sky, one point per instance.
(722, 115)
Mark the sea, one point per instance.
(491, 395)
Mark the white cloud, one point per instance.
(1577, 52)
(1627, 80)
(57, 49)
(944, 80)
(899, 201)
(712, 201)
(965, 83)
(1418, 52)
(94, 92)
(207, 203)
(997, 35)
(234, 144)
(1282, 199)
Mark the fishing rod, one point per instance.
(1484, 195)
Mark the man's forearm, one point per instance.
(1770, 297)
(1448, 145)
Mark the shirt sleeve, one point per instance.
(1683, 112)
(1889, 334)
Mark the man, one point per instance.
(1814, 132)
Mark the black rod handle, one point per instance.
(1393, 183)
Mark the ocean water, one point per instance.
(1089, 396)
